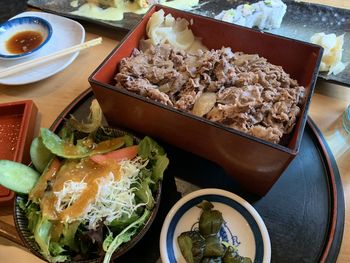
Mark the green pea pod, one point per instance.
(39, 154)
(17, 177)
(82, 149)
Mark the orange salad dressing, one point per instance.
(108, 144)
(71, 149)
(87, 171)
(56, 231)
(48, 175)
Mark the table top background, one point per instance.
(53, 95)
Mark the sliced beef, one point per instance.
(252, 95)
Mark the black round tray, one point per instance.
(303, 212)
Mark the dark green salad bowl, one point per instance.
(21, 221)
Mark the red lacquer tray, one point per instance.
(304, 211)
(17, 123)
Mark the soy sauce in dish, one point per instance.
(23, 42)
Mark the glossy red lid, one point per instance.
(17, 123)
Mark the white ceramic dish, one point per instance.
(66, 33)
(21, 24)
(243, 225)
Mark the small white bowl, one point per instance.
(243, 225)
(17, 25)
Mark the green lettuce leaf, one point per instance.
(32, 213)
(128, 140)
(68, 236)
(144, 192)
(119, 224)
(42, 235)
(125, 235)
(56, 249)
(161, 163)
(149, 149)
(108, 241)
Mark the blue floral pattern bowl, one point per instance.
(243, 227)
(23, 24)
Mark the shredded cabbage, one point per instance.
(69, 194)
(114, 198)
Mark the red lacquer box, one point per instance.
(17, 125)
(254, 163)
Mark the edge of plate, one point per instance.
(215, 191)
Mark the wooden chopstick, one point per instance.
(31, 63)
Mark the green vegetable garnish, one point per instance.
(126, 235)
(95, 190)
(231, 256)
(17, 177)
(145, 194)
(213, 247)
(119, 224)
(68, 235)
(39, 154)
(210, 220)
(192, 246)
(149, 149)
(82, 149)
(42, 238)
(204, 245)
(212, 260)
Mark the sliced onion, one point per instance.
(204, 103)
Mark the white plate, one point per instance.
(66, 33)
(243, 225)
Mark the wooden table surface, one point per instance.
(52, 95)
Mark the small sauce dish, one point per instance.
(243, 228)
(23, 36)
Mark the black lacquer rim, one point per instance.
(334, 235)
(336, 195)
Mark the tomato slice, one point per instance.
(126, 153)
